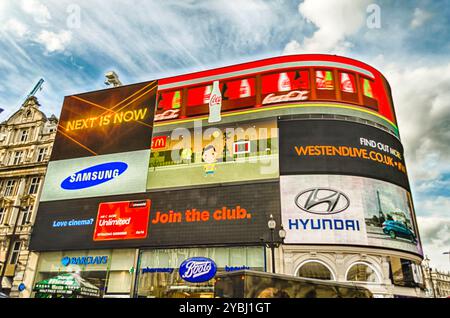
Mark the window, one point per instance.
(2, 214)
(324, 80)
(34, 185)
(404, 272)
(198, 96)
(25, 215)
(325, 87)
(24, 135)
(41, 154)
(361, 272)
(169, 100)
(285, 81)
(241, 88)
(369, 95)
(348, 87)
(9, 188)
(315, 269)
(15, 252)
(17, 159)
(241, 147)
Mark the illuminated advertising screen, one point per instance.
(122, 220)
(214, 215)
(227, 153)
(118, 173)
(104, 122)
(348, 210)
(340, 147)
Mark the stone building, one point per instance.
(26, 141)
(439, 284)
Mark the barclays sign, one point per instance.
(198, 269)
(93, 176)
(84, 260)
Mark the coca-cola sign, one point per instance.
(198, 269)
(293, 96)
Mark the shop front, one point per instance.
(161, 270)
(84, 274)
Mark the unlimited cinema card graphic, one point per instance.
(124, 220)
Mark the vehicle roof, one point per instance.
(291, 278)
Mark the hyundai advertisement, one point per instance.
(340, 147)
(105, 122)
(119, 173)
(216, 215)
(348, 210)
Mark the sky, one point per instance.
(71, 44)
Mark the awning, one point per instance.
(69, 284)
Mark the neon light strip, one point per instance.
(135, 93)
(265, 108)
(273, 67)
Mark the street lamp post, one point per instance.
(427, 260)
(8, 251)
(272, 224)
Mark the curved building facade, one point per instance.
(194, 166)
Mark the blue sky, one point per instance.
(72, 44)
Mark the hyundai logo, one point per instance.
(94, 175)
(322, 201)
(198, 269)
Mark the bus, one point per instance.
(254, 284)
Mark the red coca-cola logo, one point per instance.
(215, 100)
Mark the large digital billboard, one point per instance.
(226, 153)
(340, 147)
(348, 210)
(117, 173)
(104, 122)
(216, 215)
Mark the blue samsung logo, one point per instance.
(198, 269)
(93, 176)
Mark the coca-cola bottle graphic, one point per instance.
(320, 80)
(215, 104)
(284, 84)
(244, 89)
(176, 100)
(207, 94)
(346, 83)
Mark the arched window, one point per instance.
(315, 269)
(362, 272)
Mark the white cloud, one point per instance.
(335, 20)
(54, 42)
(39, 11)
(419, 18)
(422, 99)
(16, 27)
(435, 234)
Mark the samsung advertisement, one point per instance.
(96, 176)
(348, 210)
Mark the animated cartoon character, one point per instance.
(210, 157)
